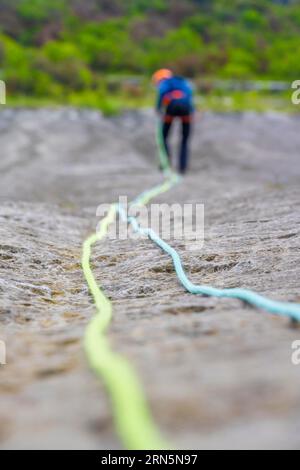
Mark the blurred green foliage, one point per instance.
(66, 50)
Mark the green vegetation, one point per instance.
(83, 52)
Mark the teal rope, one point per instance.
(132, 416)
(284, 309)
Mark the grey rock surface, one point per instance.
(217, 374)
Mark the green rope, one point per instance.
(131, 414)
(163, 158)
(132, 417)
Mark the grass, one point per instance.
(248, 101)
(117, 102)
(110, 105)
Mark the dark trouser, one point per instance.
(183, 113)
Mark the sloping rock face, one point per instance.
(216, 373)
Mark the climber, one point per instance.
(175, 100)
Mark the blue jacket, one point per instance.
(167, 87)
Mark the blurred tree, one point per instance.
(62, 46)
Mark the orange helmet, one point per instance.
(160, 75)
